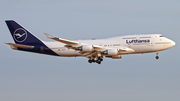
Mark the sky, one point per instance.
(34, 77)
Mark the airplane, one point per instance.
(95, 50)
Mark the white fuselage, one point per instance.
(139, 43)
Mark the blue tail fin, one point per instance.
(24, 37)
(20, 34)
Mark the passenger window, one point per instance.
(161, 36)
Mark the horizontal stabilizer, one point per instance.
(19, 45)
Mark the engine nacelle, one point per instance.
(110, 52)
(115, 57)
(85, 48)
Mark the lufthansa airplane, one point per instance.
(94, 49)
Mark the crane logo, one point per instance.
(20, 35)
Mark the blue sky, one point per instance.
(35, 77)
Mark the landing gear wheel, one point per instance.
(93, 60)
(100, 59)
(99, 62)
(90, 61)
(157, 57)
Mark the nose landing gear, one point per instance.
(157, 57)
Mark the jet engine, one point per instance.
(110, 52)
(85, 48)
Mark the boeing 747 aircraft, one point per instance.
(95, 50)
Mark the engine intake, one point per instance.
(85, 48)
(110, 52)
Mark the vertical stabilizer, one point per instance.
(20, 34)
(25, 40)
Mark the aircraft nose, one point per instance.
(173, 43)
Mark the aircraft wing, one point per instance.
(68, 42)
(19, 45)
(72, 44)
(90, 50)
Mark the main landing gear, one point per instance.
(98, 60)
(157, 57)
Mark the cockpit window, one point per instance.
(161, 36)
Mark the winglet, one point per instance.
(48, 36)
